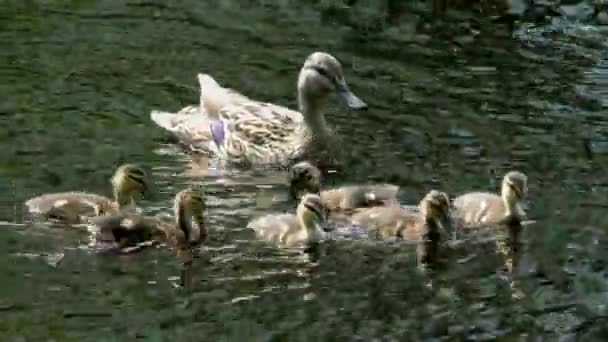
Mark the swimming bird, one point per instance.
(128, 182)
(476, 208)
(124, 230)
(424, 225)
(289, 230)
(304, 177)
(251, 133)
(130, 232)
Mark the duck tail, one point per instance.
(205, 81)
(163, 119)
(213, 96)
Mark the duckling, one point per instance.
(304, 177)
(426, 224)
(476, 208)
(126, 230)
(128, 182)
(289, 230)
(251, 133)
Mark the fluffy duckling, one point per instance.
(289, 230)
(125, 230)
(426, 224)
(475, 208)
(304, 177)
(250, 133)
(128, 182)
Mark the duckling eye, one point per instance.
(515, 189)
(137, 173)
(137, 179)
(315, 210)
(194, 199)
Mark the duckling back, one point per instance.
(126, 229)
(389, 222)
(274, 228)
(359, 196)
(478, 208)
(69, 207)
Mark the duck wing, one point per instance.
(69, 207)
(192, 128)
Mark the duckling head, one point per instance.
(435, 207)
(190, 205)
(304, 178)
(321, 75)
(129, 183)
(514, 191)
(311, 212)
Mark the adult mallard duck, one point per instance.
(425, 224)
(303, 177)
(476, 208)
(128, 182)
(250, 133)
(289, 230)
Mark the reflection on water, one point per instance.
(452, 106)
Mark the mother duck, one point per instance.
(251, 133)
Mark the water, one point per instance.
(452, 107)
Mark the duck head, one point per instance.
(189, 206)
(304, 178)
(311, 212)
(129, 183)
(513, 191)
(435, 208)
(322, 75)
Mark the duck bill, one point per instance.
(348, 96)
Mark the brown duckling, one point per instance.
(127, 230)
(305, 178)
(425, 224)
(128, 182)
(476, 208)
(289, 230)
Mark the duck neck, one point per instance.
(432, 233)
(310, 226)
(313, 117)
(184, 221)
(511, 202)
(123, 199)
(191, 224)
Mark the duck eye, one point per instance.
(516, 190)
(323, 72)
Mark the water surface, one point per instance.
(452, 107)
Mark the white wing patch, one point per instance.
(60, 203)
(127, 223)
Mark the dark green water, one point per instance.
(447, 111)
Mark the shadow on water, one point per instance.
(453, 105)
